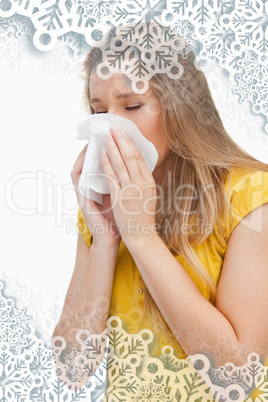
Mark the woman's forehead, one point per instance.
(117, 83)
(115, 79)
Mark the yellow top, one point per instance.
(247, 190)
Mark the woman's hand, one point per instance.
(132, 187)
(99, 218)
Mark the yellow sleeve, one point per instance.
(248, 191)
(83, 228)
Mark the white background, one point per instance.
(39, 114)
(38, 118)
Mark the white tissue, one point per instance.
(93, 183)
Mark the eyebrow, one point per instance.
(120, 96)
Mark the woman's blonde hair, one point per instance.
(200, 157)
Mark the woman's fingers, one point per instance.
(119, 165)
(143, 168)
(123, 157)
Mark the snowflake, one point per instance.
(28, 370)
(81, 293)
(252, 85)
(22, 25)
(140, 51)
(213, 29)
(32, 371)
(13, 323)
(99, 10)
(152, 392)
(197, 340)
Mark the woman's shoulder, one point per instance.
(246, 189)
(239, 175)
(244, 181)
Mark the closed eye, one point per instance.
(127, 108)
(133, 107)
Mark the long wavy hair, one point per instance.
(201, 155)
